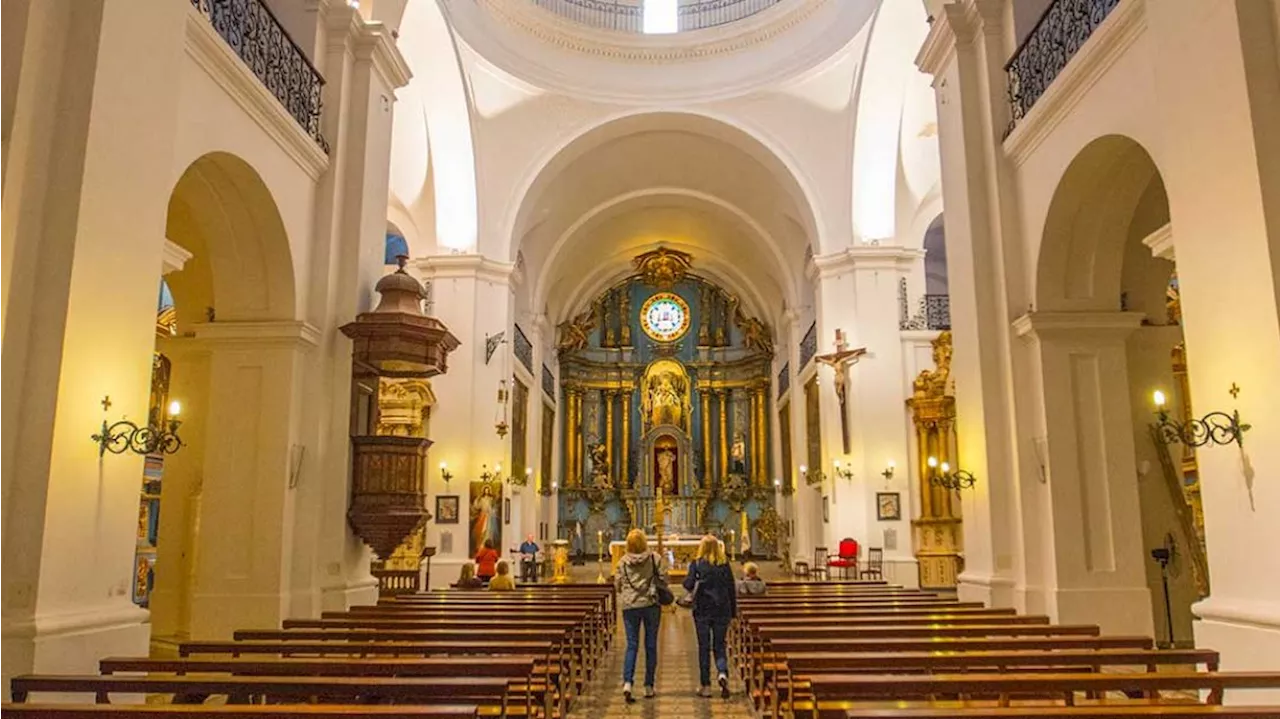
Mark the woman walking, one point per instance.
(715, 603)
(640, 574)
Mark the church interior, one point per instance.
(958, 319)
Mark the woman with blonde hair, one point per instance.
(502, 581)
(640, 580)
(715, 603)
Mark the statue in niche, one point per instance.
(667, 470)
(664, 402)
(738, 453)
(576, 333)
(601, 477)
(755, 333)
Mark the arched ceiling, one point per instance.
(684, 181)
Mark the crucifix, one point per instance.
(840, 361)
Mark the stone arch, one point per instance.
(1090, 217)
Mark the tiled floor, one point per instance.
(677, 684)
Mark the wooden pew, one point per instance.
(1162, 711)
(253, 689)
(244, 711)
(835, 694)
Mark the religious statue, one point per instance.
(933, 383)
(575, 333)
(601, 477)
(664, 402)
(667, 470)
(840, 361)
(755, 334)
(738, 453)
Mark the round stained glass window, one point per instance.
(665, 317)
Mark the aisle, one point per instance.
(677, 684)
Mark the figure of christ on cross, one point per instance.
(840, 361)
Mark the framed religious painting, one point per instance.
(888, 506)
(446, 509)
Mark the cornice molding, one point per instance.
(1160, 243)
(478, 267)
(1076, 325)
(229, 72)
(373, 42)
(286, 334)
(949, 30)
(1109, 42)
(863, 257)
(175, 257)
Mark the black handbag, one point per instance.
(665, 596)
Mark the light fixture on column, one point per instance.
(500, 418)
(888, 470)
(812, 479)
(941, 474)
(842, 471)
(494, 476)
(1215, 427)
(777, 485)
(521, 480)
(445, 474)
(124, 435)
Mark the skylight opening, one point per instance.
(661, 17)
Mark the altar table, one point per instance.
(678, 552)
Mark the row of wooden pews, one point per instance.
(854, 650)
(444, 654)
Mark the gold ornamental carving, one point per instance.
(663, 268)
(938, 528)
(574, 334)
(756, 335)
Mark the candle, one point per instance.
(1158, 398)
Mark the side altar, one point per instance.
(665, 391)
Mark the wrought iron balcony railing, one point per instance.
(260, 40)
(1061, 31)
(628, 15)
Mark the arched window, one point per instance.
(396, 246)
(661, 16)
(935, 258)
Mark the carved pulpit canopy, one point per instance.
(663, 268)
(396, 339)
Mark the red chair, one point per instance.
(847, 559)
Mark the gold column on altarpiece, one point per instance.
(573, 438)
(624, 317)
(707, 463)
(933, 410)
(723, 396)
(762, 442)
(608, 397)
(625, 455)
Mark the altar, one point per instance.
(678, 552)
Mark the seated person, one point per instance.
(529, 560)
(751, 583)
(467, 578)
(486, 558)
(502, 581)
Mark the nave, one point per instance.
(828, 650)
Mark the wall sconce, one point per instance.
(521, 480)
(888, 470)
(125, 435)
(777, 485)
(1215, 427)
(500, 420)
(445, 473)
(494, 476)
(812, 479)
(943, 476)
(845, 472)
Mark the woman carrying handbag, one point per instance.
(715, 603)
(642, 591)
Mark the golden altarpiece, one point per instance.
(938, 537)
(665, 383)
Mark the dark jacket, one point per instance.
(717, 597)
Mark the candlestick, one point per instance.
(600, 557)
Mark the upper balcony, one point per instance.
(1061, 31)
(654, 16)
(254, 33)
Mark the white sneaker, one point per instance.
(648, 692)
(704, 692)
(724, 687)
(626, 693)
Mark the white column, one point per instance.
(965, 52)
(82, 254)
(472, 297)
(1095, 563)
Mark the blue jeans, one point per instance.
(711, 635)
(631, 621)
